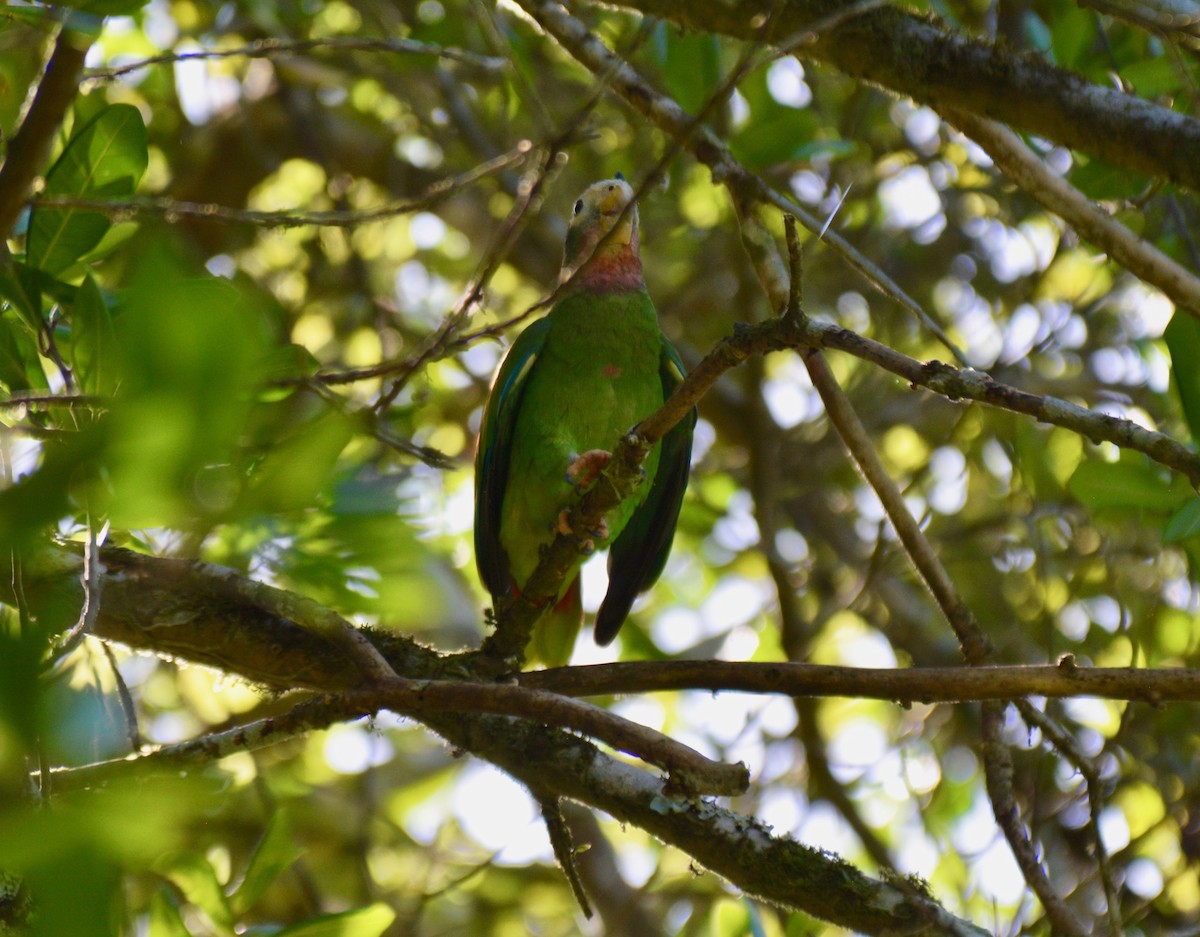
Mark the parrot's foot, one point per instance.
(587, 468)
(563, 526)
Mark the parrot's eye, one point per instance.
(579, 206)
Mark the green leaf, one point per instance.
(1101, 180)
(691, 64)
(1153, 77)
(187, 352)
(289, 362)
(775, 133)
(1073, 36)
(106, 7)
(1124, 485)
(104, 159)
(782, 135)
(1183, 343)
(20, 366)
(22, 294)
(165, 919)
(92, 340)
(275, 852)
(370, 921)
(195, 877)
(298, 467)
(1184, 523)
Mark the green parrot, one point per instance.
(571, 384)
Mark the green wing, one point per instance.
(637, 557)
(493, 453)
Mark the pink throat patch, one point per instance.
(611, 370)
(614, 270)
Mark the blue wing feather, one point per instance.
(494, 450)
(637, 557)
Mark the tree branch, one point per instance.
(173, 210)
(998, 774)
(906, 685)
(975, 645)
(30, 145)
(915, 57)
(270, 48)
(261, 633)
(1062, 740)
(663, 112)
(690, 772)
(1053, 192)
(737, 847)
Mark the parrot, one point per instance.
(571, 384)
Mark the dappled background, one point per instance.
(297, 397)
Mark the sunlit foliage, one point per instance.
(297, 398)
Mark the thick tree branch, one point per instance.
(198, 612)
(30, 145)
(776, 869)
(913, 56)
(191, 610)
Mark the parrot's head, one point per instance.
(611, 258)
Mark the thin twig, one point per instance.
(1052, 191)
(689, 770)
(92, 581)
(975, 645)
(128, 710)
(1065, 743)
(969, 384)
(998, 775)
(1065, 680)
(795, 299)
(434, 346)
(173, 211)
(270, 48)
(563, 846)
(37, 399)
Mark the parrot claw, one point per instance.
(586, 544)
(586, 468)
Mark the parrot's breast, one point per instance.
(595, 378)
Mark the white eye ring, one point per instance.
(579, 206)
